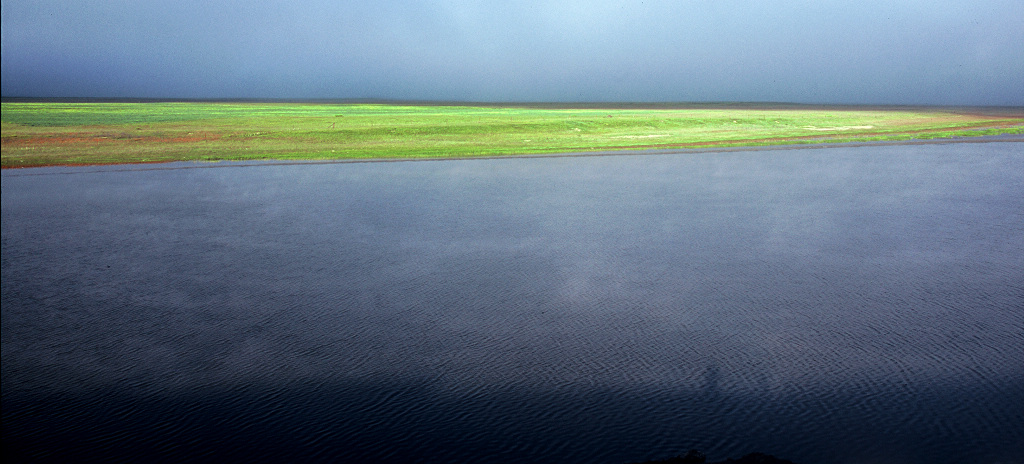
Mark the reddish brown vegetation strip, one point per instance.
(91, 139)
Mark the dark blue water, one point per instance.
(824, 305)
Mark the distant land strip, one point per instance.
(80, 132)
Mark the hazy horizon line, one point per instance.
(508, 103)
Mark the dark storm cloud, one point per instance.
(937, 52)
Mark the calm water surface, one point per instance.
(822, 305)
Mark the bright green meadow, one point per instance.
(52, 133)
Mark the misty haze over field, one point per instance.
(909, 52)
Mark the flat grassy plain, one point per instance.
(37, 133)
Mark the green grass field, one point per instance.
(50, 133)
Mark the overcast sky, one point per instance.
(893, 52)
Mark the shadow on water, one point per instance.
(696, 457)
(401, 422)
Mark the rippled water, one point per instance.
(822, 305)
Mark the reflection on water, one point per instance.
(819, 305)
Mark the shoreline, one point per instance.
(167, 165)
